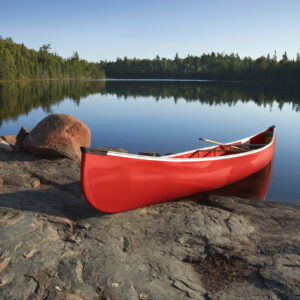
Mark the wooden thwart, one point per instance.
(234, 146)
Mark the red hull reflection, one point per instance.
(253, 187)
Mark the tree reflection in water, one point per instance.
(17, 98)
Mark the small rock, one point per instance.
(20, 138)
(5, 147)
(35, 182)
(58, 135)
(143, 296)
(10, 139)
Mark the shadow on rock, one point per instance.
(63, 201)
(47, 186)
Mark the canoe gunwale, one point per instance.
(172, 157)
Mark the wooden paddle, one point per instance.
(221, 144)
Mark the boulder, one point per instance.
(58, 135)
(10, 139)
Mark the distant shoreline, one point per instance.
(126, 79)
(149, 80)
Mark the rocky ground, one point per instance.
(54, 246)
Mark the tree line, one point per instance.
(17, 62)
(213, 66)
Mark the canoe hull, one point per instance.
(119, 182)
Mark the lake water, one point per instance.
(167, 116)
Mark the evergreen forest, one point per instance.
(213, 66)
(17, 62)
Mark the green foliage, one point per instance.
(18, 62)
(214, 66)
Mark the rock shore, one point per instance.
(53, 245)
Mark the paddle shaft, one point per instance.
(224, 150)
(220, 144)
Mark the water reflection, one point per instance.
(19, 98)
(253, 187)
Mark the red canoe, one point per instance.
(115, 182)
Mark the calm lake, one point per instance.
(167, 116)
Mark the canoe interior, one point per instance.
(261, 139)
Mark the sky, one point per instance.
(105, 30)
